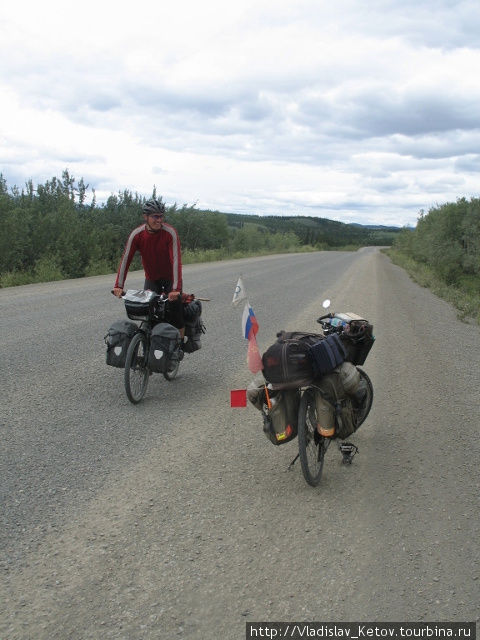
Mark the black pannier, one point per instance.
(117, 340)
(164, 347)
(192, 311)
(287, 363)
(327, 354)
(194, 326)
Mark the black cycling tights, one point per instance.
(174, 311)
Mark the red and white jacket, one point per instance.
(161, 255)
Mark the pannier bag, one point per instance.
(287, 363)
(280, 420)
(357, 337)
(117, 340)
(337, 397)
(194, 326)
(164, 347)
(256, 393)
(327, 354)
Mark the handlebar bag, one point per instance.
(164, 347)
(117, 340)
(139, 304)
(286, 363)
(357, 338)
(327, 354)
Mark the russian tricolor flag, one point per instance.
(250, 330)
(249, 323)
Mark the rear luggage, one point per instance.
(117, 340)
(194, 326)
(164, 347)
(287, 363)
(338, 396)
(327, 354)
(281, 418)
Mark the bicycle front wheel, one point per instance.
(136, 368)
(311, 445)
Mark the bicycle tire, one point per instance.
(311, 445)
(137, 372)
(363, 413)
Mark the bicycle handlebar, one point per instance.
(327, 315)
(164, 296)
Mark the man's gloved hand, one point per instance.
(173, 295)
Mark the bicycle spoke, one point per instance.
(311, 445)
(136, 370)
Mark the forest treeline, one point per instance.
(50, 231)
(443, 253)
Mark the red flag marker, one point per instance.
(238, 398)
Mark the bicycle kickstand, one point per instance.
(293, 462)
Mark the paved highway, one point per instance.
(176, 518)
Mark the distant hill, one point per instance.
(318, 231)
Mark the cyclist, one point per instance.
(159, 246)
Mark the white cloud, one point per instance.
(364, 113)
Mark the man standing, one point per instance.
(159, 247)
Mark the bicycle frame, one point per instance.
(149, 309)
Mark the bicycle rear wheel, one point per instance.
(311, 445)
(136, 368)
(365, 410)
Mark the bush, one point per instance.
(15, 278)
(47, 269)
(98, 267)
(465, 296)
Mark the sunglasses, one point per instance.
(156, 216)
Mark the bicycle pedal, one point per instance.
(348, 451)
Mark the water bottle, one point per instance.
(337, 322)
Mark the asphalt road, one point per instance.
(176, 518)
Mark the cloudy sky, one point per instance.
(355, 110)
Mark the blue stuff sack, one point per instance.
(327, 354)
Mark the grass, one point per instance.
(465, 296)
